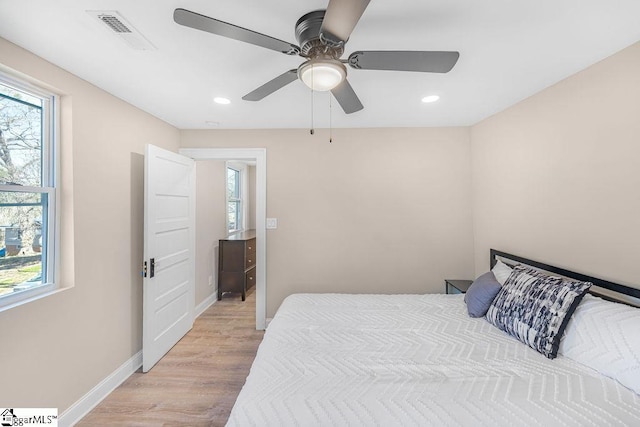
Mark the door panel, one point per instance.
(170, 242)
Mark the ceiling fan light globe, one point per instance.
(322, 75)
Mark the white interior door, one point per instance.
(169, 252)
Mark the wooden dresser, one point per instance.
(237, 263)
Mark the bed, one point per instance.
(404, 360)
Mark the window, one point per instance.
(27, 191)
(234, 199)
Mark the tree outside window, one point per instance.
(26, 190)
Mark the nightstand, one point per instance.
(456, 286)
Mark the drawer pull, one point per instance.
(250, 248)
(249, 260)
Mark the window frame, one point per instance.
(48, 186)
(241, 169)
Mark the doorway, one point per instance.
(259, 156)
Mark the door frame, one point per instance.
(259, 155)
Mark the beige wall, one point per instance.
(557, 177)
(211, 224)
(378, 210)
(58, 348)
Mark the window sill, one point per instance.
(27, 299)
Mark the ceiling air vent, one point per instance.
(119, 26)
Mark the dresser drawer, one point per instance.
(250, 260)
(250, 247)
(250, 278)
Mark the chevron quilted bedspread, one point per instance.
(414, 360)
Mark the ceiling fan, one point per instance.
(322, 36)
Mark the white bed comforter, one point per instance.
(414, 360)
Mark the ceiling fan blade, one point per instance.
(340, 19)
(347, 98)
(271, 86)
(210, 25)
(404, 60)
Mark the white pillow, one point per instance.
(605, 336)
(501, 271)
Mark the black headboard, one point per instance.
(600, 283)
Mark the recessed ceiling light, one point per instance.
(220, 100)
(430, 98)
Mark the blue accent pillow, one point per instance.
(481, 293)
(535, 308)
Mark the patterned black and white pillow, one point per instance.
(535, 308)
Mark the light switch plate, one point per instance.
(272, 223)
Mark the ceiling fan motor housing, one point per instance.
(308, 36)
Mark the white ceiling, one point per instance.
(509, 50)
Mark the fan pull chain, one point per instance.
(311, 130)
(330, 123)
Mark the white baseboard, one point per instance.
(97, 394)
(90, 400)
(208, 302)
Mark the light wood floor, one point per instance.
(197, 382)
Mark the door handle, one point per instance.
(152, 267)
